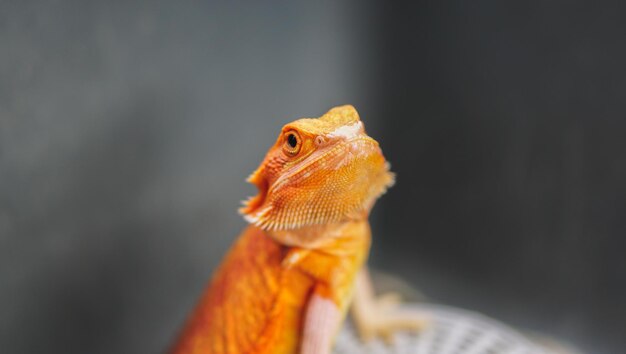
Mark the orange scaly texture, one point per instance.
(309, 234)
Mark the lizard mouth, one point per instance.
(329, 159)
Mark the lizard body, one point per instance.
(285, 285)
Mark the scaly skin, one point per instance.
(309, 236)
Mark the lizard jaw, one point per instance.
(333, 184)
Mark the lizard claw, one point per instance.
(385, 317)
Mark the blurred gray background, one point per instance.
(127, 130)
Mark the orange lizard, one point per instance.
(285, 285)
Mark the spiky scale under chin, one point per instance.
(321, 170)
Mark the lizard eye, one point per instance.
(292, 143)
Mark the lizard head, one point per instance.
(320, 170)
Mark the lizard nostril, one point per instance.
(319, 140)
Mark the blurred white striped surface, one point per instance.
(451, 331)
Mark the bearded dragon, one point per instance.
(286, 283)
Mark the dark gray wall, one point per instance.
(127, 129)
(507, 127)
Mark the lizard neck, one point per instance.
(315, 236)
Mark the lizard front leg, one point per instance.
(322, 321)
(380, 316)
